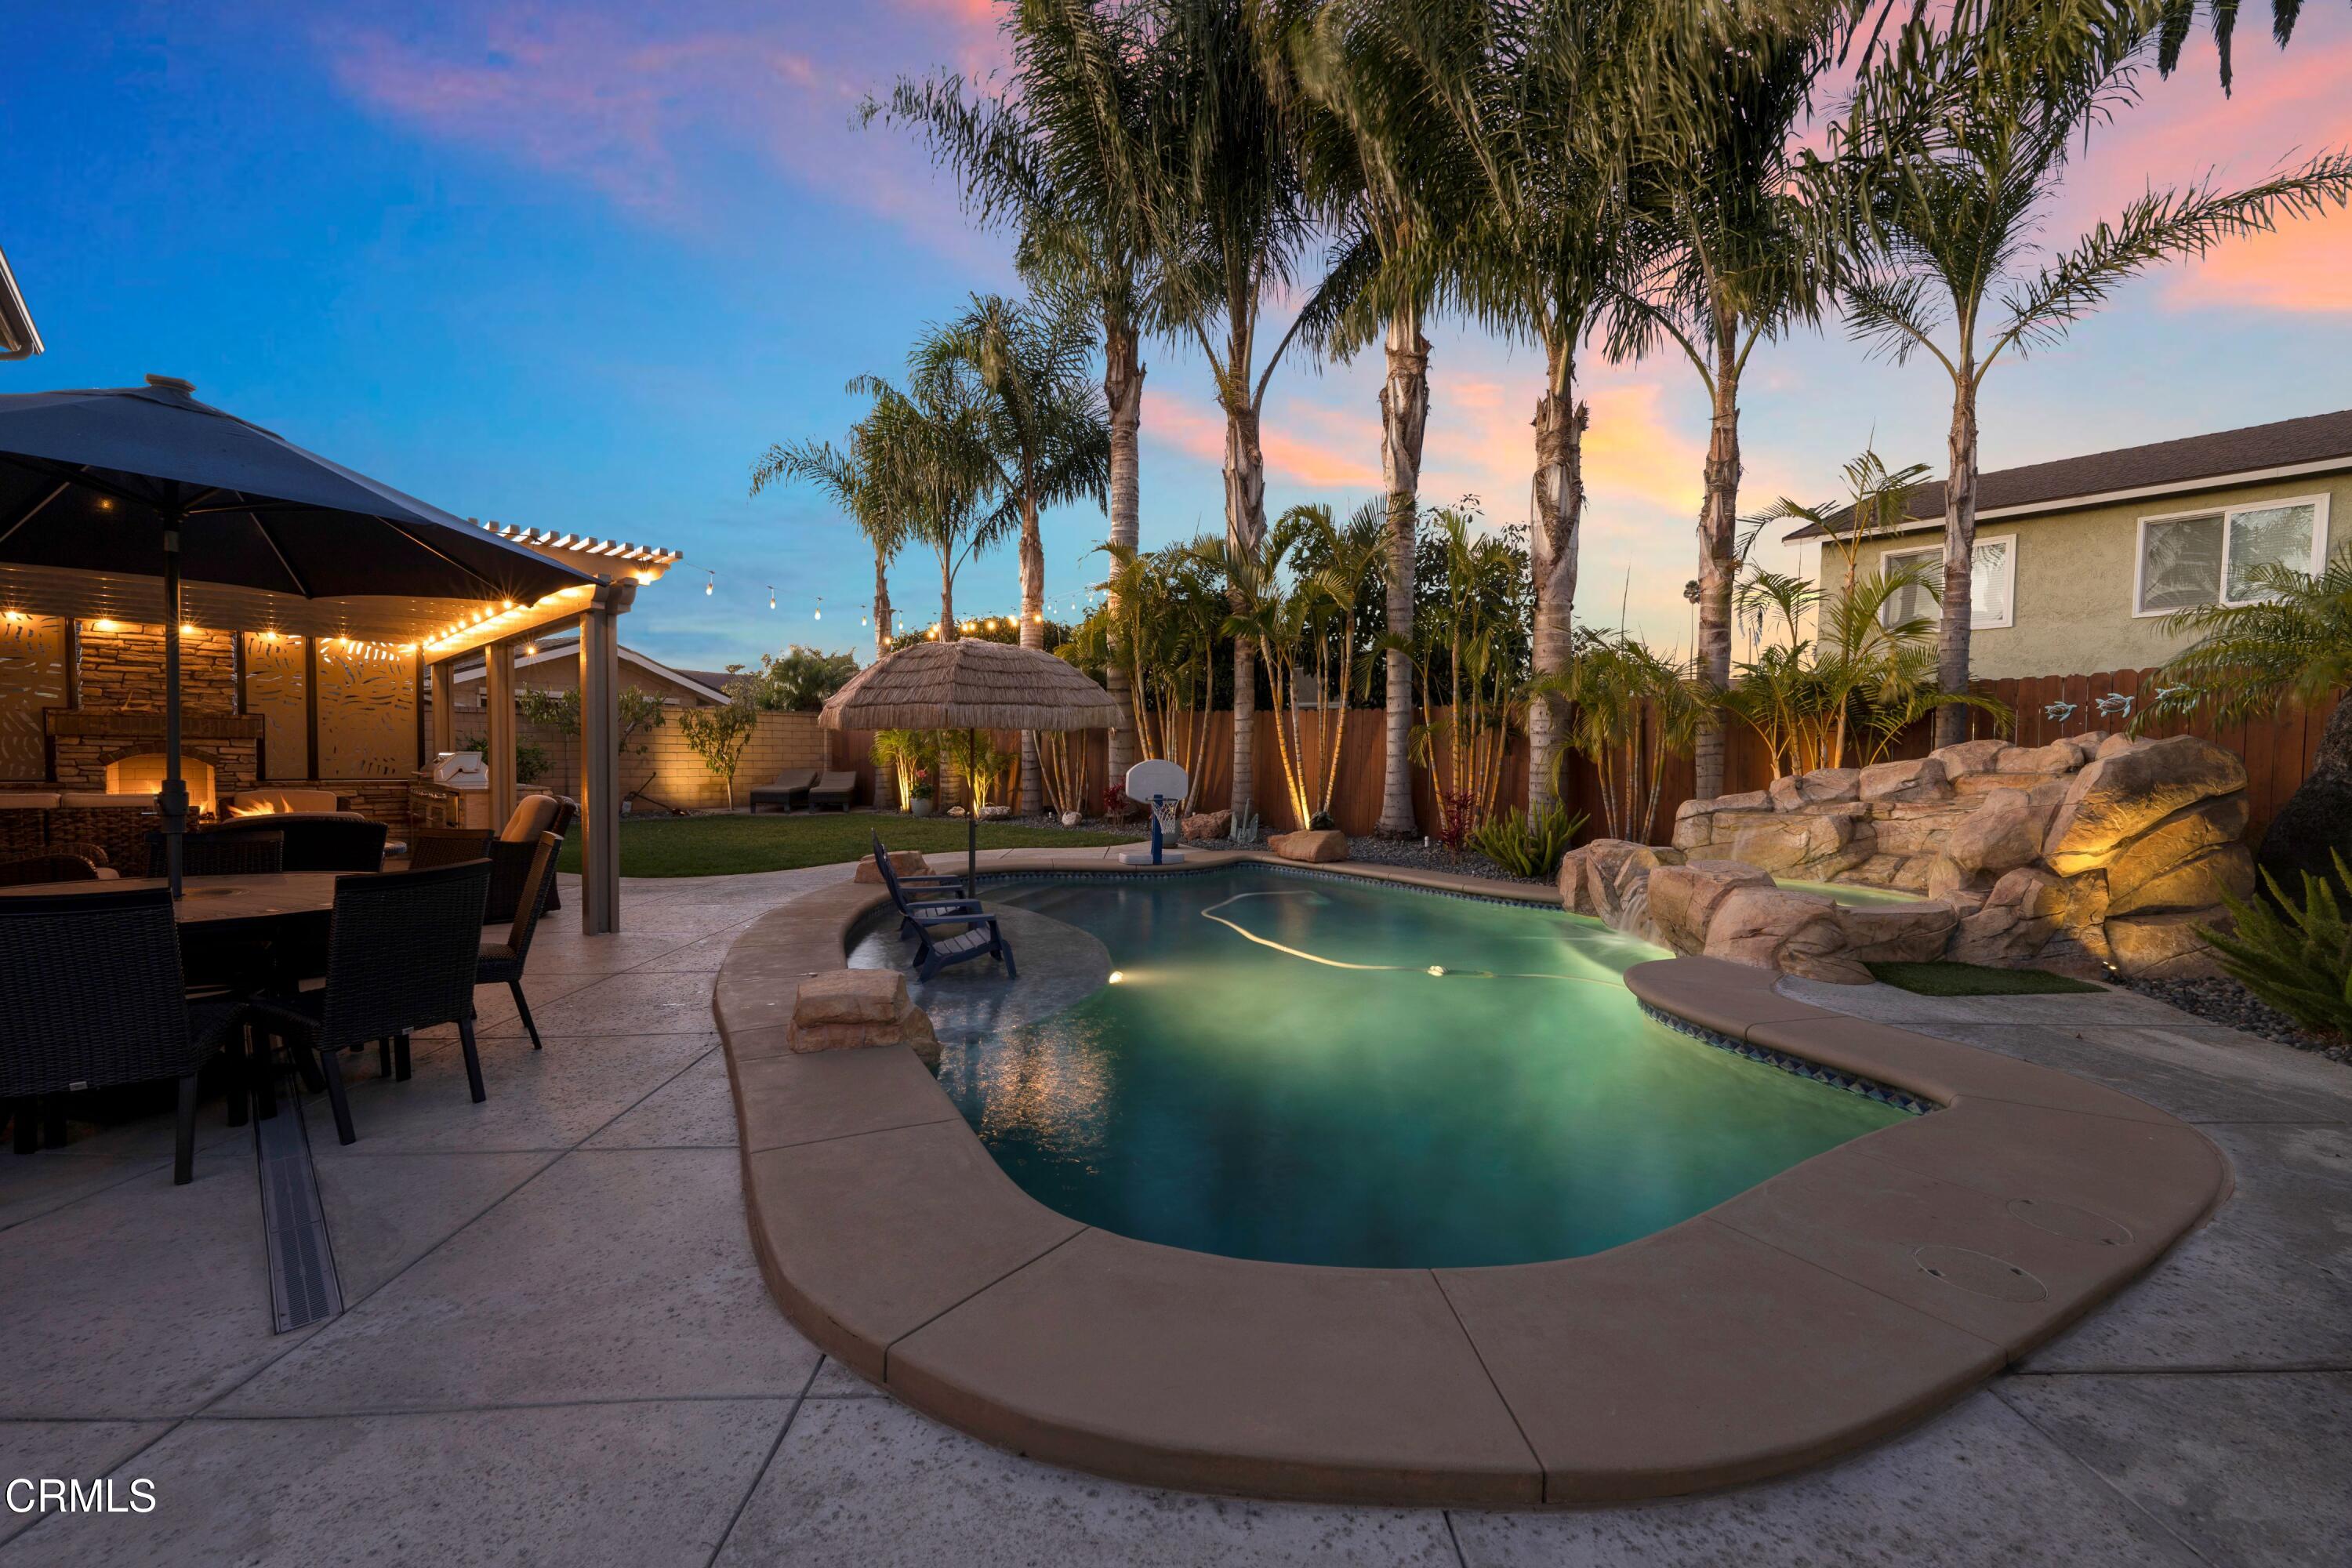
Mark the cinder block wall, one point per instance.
(661, 764)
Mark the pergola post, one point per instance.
(498, 689)
(600, 764)
(445, 706)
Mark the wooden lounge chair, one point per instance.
(788, 790)
(921, 919)
(834, 790)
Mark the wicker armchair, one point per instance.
(36, 869)
(509, 851)
(501, 961)
(401, 955)
(89, 983)
(221, 854)
(314, 843)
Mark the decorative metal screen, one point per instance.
(367, 712)
(273, 689)
(32, 677)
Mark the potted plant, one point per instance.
(919, 792)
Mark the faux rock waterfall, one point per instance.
(2097, 854)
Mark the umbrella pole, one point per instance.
(172, 800)
(971, 817)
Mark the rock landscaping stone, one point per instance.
(850, 1009)
(1205, 824)
(1919, 780)
(905, 862)
(2093, 854)
(1314, 845)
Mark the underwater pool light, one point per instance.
(1117, 975)
(1437, 969)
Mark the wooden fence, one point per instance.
(2278, 751)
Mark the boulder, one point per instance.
(2199, 882)
(1906, 829)
(1747, 800)
(2085, 745)
(2016, 921)
(2116, 745)
(2145, 874)
(1594, 879)
(1898, 933)
(1206, 825)
(1919, 780)
(1682, 899)
(850, 1009)
(2057, 757)
(1968, 757)
(905, 862)
(2165, 946)
(1978, 787)
(1823, 786)
(1815, 844)
(1773, 928)
(2118, 798)
(2002, 834)
(1315, 844)
(1947, 876)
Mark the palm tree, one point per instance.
(930, 443)
(1953, 144)
(1043, 433)
(1504, 125)
(859, 488)
(1222, 204)
(1373, 158)
(1056, 152)
(1731, 258)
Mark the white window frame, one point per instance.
(2318, 504)
(2008, 570)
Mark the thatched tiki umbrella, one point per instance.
(966, 684)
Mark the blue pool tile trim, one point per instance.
(1910, 1104)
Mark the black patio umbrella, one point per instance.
(119, 496)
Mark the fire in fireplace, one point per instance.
(143, 774)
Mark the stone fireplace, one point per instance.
(143, 774)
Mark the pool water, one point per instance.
(1312, 1070)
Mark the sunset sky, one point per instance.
(576, 266)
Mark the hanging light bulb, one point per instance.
(709, 584)
(772, 596)
(820, 608)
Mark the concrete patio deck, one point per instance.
(558, 1348)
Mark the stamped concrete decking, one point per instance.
(557, 1349)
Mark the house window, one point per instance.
(2216, 557)
(1992, 584)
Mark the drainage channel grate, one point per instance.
(302, 1285)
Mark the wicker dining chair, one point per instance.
(313, 843)
(221, 854)
(501, 961)
(90, 987)
(401, 955)
(36, 868)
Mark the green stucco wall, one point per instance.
(2074, 612)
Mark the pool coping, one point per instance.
(1837, 1301)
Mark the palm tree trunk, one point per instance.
(947, 597)
(1960, 556)
(1245, 532)
(881, 605)
(1557, 511)
(1027, 800)
(1123, 395)
(1405, 419)
(1718, 529)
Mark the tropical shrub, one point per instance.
(1468, 650)
(1629, 711)
(986, 768)
(2297, 958)
(530, 757)
(1527, 845)
(909, 754)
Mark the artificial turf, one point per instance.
(720, 845)
(1945, 979)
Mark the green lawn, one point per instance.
(722, 846)
(1943, 979)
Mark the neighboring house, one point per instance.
(556, 666)
(19, 338)
(2078, 562)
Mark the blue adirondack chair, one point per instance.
(921, 916)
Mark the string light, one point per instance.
(820, 607)
(709, 584)
(772, 596)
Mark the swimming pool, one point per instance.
(1312, 1070)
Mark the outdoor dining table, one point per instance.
(220, 901)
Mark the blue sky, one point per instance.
(576, 265)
